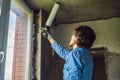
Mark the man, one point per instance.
(78, 62)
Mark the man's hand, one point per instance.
(46, 35)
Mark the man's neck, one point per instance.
(75, 46)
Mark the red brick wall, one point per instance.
(19, 61)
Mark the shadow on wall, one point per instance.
(106, 64)
(99, 72)
(112, 61)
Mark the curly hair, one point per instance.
(86, 36)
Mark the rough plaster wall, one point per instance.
(38, 46)
(107, 32)
(112, 66)
(38, 56)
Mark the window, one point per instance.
(18, 43)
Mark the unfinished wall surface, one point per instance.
(112, 66)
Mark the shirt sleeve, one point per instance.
(60, 50)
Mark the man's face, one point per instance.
(73, 40)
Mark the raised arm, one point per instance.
(59, 49)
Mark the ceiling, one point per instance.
(79, 10)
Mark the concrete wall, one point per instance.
(107, 32)
(112, 64)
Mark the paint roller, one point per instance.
(51, 16)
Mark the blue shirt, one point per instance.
(78, 62)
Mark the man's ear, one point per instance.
(78, 37)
